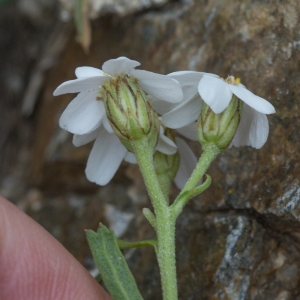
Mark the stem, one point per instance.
(128, 245)
(166, 255)
(165, 223)
(145, 161)
(210, 151)
(164, 183)
(181, 201)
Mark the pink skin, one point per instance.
(34, 265)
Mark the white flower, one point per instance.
(197, 87)
(85, 112)
(217, 93)
(85, 116)
(108, 152)
(106, 155)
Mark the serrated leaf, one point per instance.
(112, 265)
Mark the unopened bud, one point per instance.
(129, 111)
(219, 128)
(166, 166)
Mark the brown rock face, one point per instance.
(241, 238)
(243, 241)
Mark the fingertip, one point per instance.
(34, 265)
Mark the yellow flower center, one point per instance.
(233, 80)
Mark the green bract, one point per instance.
(129, 111)
(219, 128)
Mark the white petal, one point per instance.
(187, 165)
(253, 129)
(130, 157)
(79, 140)
(82, 114)
(80, 85)
(189, 77)
(189, 131)
(189, 92)
(119, 65)
(241, 137)
(259, 130)
(215, 93)
(105, 158)
(83, 72)
(164, 144)
(184, 114)
(161, 107)
(159, 86)
(107, 125)
(256, 102)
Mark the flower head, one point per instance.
(217, 93)
(166, 166)
(86, 117)
(219, 129)
(86, 112)
(181, 164)
(129, 111)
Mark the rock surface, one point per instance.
(241, 238)
(98, 8)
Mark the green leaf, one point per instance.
(112, 265)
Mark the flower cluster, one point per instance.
(119, 103)
(86, 117)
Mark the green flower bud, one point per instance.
(129, 111)
(166, 166)
(219, 128)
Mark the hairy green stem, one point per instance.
(180, 202)
(191, 188)
(165, 183)
(210, 151)
(165, 223)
